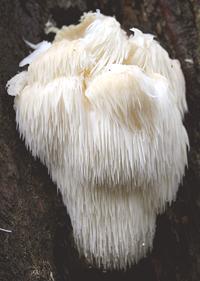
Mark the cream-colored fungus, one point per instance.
(103, 111)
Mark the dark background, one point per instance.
(41, 246)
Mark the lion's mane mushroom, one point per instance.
(103, 111)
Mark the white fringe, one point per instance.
(104, 113)
(151, 57)
(39, 49)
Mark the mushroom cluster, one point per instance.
(103, 111)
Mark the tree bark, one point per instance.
(40, 246)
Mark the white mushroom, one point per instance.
(104, 113)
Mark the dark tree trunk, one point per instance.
(40, 246)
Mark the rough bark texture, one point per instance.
(40, 246)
